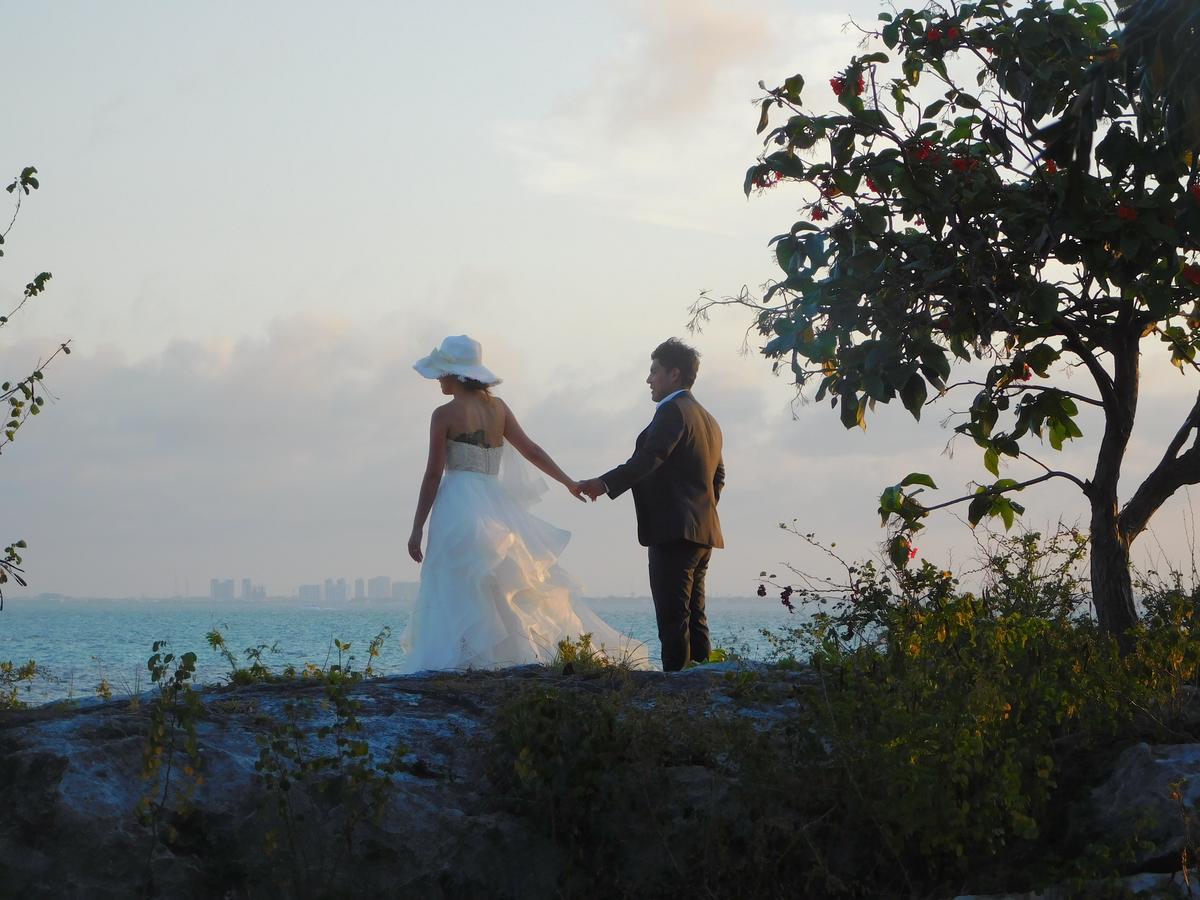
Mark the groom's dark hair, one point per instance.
(675, 354)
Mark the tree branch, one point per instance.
(1172, 472)
(1079, 482)
(1015, 487)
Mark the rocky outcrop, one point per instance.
(74, 778)
(259, 810)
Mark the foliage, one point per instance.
(635, 792)
(950, 224)
(580, 657)
(304, 765)
(172, 733)
(257, 670)
(12, 677)
(941, 739)
(24, 398)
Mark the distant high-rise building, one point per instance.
(359, 592)
(247, 589)
(379, 588)
(221, 588)
(405, 591)
(310, 593)
(335, 591)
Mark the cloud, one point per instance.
(638, 142)
(295, 455)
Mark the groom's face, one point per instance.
(662, 381)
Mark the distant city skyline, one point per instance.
(330, 591)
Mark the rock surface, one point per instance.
(1152, 796)
(73, 780)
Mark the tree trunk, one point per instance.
(1112, 585)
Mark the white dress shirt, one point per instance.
(670, 397)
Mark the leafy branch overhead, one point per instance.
(947, 224)
(24, 397)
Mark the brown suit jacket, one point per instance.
(676, 474)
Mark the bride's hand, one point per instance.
(576, 490)
(414, 546)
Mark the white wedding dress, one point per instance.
(491, 591)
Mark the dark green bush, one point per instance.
(944, 740)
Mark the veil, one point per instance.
(520, 478)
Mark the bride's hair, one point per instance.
(472, 385)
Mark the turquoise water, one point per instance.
(78, 642)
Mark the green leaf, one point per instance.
(764, 117)
(792, 88)
(851, 410)
(918, 478)
(913, 394)
(980, 506)
(898, 550)
(991, 461)
(1005, 510)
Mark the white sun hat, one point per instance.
(460, 356)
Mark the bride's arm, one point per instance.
(429, 481)
(515, 435)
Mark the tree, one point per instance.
(974, 224)
(23, 397)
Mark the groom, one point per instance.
(676, 475)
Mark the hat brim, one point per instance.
(430, 368)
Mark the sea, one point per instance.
(77, 644)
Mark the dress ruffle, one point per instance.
(492, 593)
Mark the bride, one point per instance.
(491, 593)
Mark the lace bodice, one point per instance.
(462, 457)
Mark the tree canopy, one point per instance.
(1009, 188)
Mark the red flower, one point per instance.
(818, 214)
(1192, 274)
(920, 220)
(1051, 167)
(912, 553)
(766, 180)
(923, 150)
(963, 164)
(839, 84)
(934, 34)
(1127, 213)
(952, 33)
(1026, 373)
(871, 185)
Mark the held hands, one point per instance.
(593, 488)
(414, 545)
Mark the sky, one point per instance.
(258, 215)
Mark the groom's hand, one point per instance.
(593, 487)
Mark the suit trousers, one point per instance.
(677, 571)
